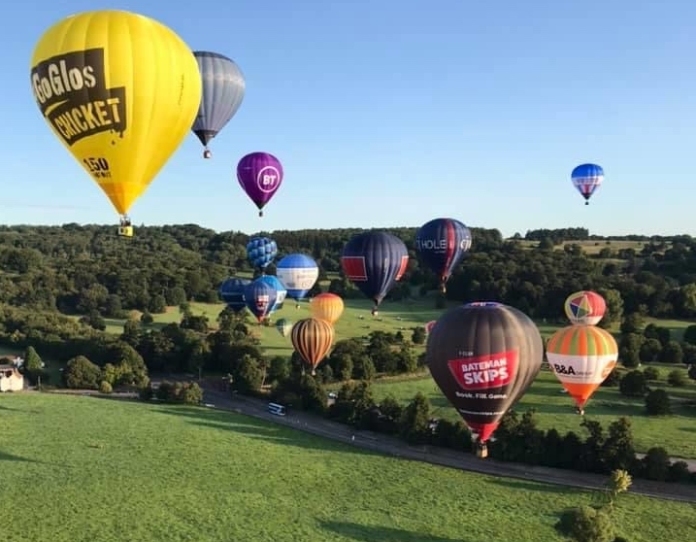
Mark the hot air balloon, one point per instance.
(582, 356)
(484, 356)
(261, 251)
(223, 92)
(374, 261)
(429, 326)
(587, 178)
(442, 244)
(284, 327)
(281, 292)
(312, 339)
(260, 298)
(103, 81)
(327, 307)
(232, 293)
(260, 174)
(585, 307)
(299, 274)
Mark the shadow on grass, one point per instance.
(9, 457)
(688, 429)
(262, 430)
(370, 533)
(9, 409)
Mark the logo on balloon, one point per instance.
(489, 371)
(71, 92)
(262, 302)
(486, 304)
(267, 179)
(608, 369)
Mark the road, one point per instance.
(439, 456)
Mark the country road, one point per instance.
(315, 425)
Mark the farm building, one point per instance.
(10, 378)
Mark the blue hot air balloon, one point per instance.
(587, 178)
(223, 92)
(261, 251)
(442, 244)
(374, 261)
(282, 292)
(232, 293)
(299, 273)
(260, 298)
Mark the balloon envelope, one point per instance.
(260, 298)
(312, 339)
(586, 179)
(223, 92)
(327, 307)
(484, 356)
(281, 292)
(104, 82)
(232, 293)
(299, 274)
(261, 251)
(284, 327)
(374, 261)
(585, 307)
(582, 356)
(442, 244)
(430, 325)
(260, 174)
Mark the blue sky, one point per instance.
(389, 113)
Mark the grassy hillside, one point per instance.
(112, 471)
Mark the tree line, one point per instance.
(85, 270)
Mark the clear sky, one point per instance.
(393, 112)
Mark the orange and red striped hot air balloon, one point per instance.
(312, 339)
(582, 356)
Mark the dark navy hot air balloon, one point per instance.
(374, 261)
(261, 251)
(223, 92)
(260, 298)
(484, 356)
(587, 178)
(442, 244)
(232, 293)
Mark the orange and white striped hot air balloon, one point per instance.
(582, 356)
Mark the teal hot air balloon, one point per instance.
(284, 327)
(223, 92)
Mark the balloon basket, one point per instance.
(207, 154)
(125, 231)
(481, 451)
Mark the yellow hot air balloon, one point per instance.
(121, 91)
(327, 307)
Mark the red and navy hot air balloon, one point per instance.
(374, 261)
(442, 244)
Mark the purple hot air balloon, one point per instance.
(260, 174)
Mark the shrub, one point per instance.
(651, 373)
(676, 378)
(105, 387)
(586, 524)
(657, 403)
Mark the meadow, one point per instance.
(676, 433)
(116, 471)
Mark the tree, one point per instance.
(585, 524)
(81, 373)
(672, 353)
(615, 307)
(414, 424)
(33, 365)
(619, 482)
(633, 384)
(629, 349)
(676, 378)
(418, 336)
(656, 464)
(657, 403)
(279, 369)
(248, 376)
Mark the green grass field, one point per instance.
(593, 247)
(81, 469)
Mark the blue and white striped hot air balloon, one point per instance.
(586, 179)
(299, 273)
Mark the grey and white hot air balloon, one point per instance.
(223, 92)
